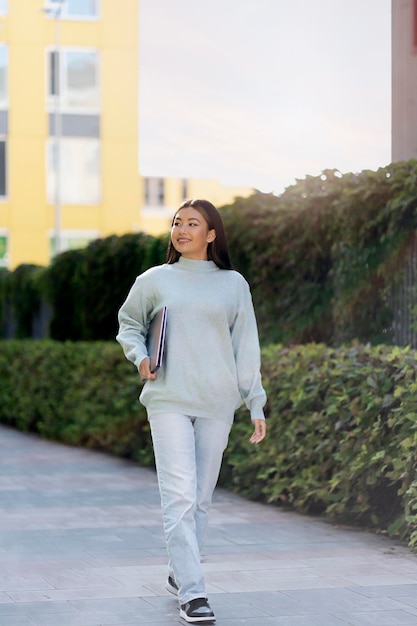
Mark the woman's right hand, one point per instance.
(259, 432)
(144, 369)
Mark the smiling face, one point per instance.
(190, 234)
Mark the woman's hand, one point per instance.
(260, 431)
(144, 369)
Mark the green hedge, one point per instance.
(342, 423)
(4, 283)
(342, 436)
(87, 287)
(322, 260)
(83, 394)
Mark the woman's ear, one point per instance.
(211, 235)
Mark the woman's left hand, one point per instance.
(144, 369)
(260, 431)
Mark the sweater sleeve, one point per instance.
(133, 322)
(247, 353)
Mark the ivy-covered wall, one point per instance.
(322, 260)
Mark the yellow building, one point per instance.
(162, 196)
(69, 75)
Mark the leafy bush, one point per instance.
(4, 286)
(25, 295)
(80, 393)
(322, 257)
(64, 277)
(342, 423)
(87, 287)
(111, 267)
(342, 437)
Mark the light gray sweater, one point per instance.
(212, 355)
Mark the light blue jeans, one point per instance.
(188, 455)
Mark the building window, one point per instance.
(4, 254)
(74, 9)
(184, 189)
(3, 168)
(80, 178)
(3, 7)
(54, 73)
(154, 191)
(3, 77)
(74, 78)
(72, 240)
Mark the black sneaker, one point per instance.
(171, 586)
(197, 610)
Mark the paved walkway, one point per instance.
(81, 544)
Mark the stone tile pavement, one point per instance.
(81, 544)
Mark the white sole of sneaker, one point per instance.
(195, 620)
(171, 589)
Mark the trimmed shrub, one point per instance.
(62, 289)
(111, 266)
(24, 292)
(4, 287)
(80, 393)
(342, 436)
(342, 423)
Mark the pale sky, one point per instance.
(260, 93)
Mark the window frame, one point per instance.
(3, 139)
(184, 189)
(67, 235)
(5, 105)
(5, 262)
(51, 9)
(154, 191)
(50, 173)
(61, 97)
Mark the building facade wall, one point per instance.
(157, 211)
(100, 191)
(404, 79)
(108, 129)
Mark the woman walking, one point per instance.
(211, 364)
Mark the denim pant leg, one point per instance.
(188, 453)
(208, 461)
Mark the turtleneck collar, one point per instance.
(196, 266)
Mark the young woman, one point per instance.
(211, 364)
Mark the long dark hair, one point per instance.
(217, 250)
